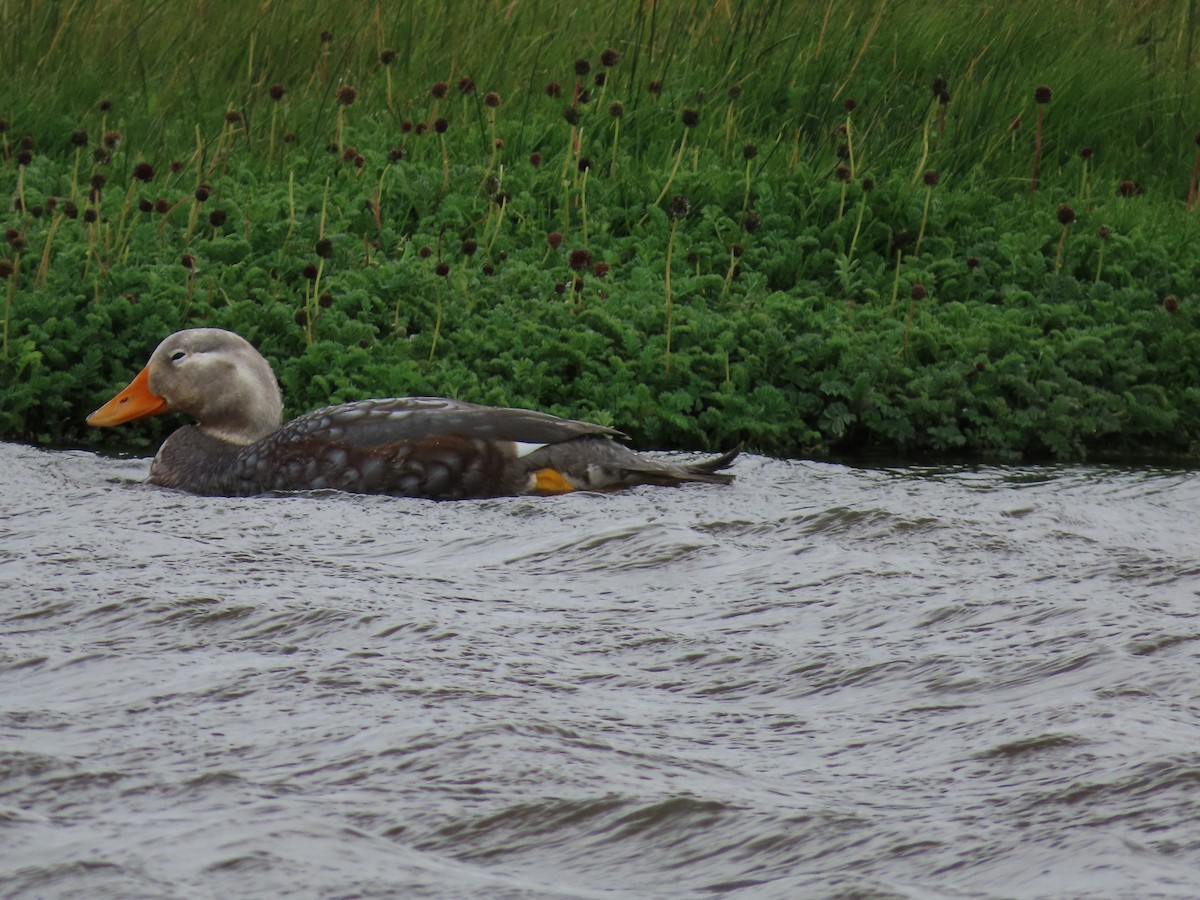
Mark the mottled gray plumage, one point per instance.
(413, 446)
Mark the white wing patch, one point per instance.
(524, 449)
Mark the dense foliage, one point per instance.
(816, 228)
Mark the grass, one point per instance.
(373, 204)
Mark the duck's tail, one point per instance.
(599, 463)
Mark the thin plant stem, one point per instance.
(674, 169)
(8, 300)
(1195, 180)
(924, 220)
(1037, 151)
(895, 283)
(43, 271)
(670, 251)
(583, 206)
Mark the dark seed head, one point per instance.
(112, 139)
(491, 99)
(749, 151)
(1104, 232)
(1086, 152)
(601, 269)
(868, 185)
(162, 206)
(188, 262)
(900, 238)
(442, 269)
(1171, 303)
(584, 164)
(1042, 94)
(751, 222)
(325, 300)
(1128, 188)
(301, 317)
(323, 248)
(553, 89)
(466, 85)
(582, 67)
(79, 138)
(571, 114)
(143, 172)
(105, 105)
(918, 292)
(277, 91)
(681, 206)
(202, 193)
(439, 90)
(735, 92)
(97, 181)
(554, 239)
(425, 252)
(535, 159)
(940, 85)
(930, 178)
(233, 117)
(469, 246)
(850, 105)
(654, 87)
(972, 262)
(89, 215)
(560, 287)
(311, 271)
(70, 209)
(387, 57)
(326, 36)
(600, 79)
(440, 126)
(842, 173)
(217, 218)
(145, 204)
(1066, 215)
(616, 109)
(346, 95)
(6, 269)
(609, 57)
(24, 157)
(690, 118)
(396, 154)
(579, 259)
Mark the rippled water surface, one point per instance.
(822, 681)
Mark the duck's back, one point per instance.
(417, 447)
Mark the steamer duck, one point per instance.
(410, 446)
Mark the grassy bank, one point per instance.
(817, 228)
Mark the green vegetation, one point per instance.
(817, 227)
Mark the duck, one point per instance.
(425, 447)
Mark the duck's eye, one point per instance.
(177, 356)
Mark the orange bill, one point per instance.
(135, 402)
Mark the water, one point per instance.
(824, 681)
